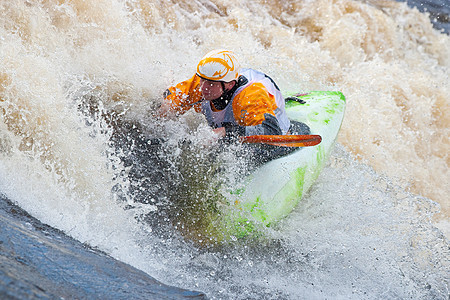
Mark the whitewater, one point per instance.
(77, 77)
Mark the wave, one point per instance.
(71, 67)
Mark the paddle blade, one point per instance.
(283, 140)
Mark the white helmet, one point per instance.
(219, 65)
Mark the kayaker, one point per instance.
(235, 101)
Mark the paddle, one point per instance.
(275, 140)
(283, 140)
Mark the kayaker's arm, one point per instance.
(180, 98)
(269, 126)
(254, 111)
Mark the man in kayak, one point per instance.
(235, 101)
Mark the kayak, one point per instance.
(274, 189)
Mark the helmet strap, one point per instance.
(222, 102)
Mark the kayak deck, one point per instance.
(273, 190)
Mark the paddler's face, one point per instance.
(211, 89)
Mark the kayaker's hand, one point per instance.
(209, 138)
(220, 132)
(165, 111)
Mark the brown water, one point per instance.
(386, 58)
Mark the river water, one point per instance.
(375, 224)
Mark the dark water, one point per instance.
(438, 10)
(39, 262)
